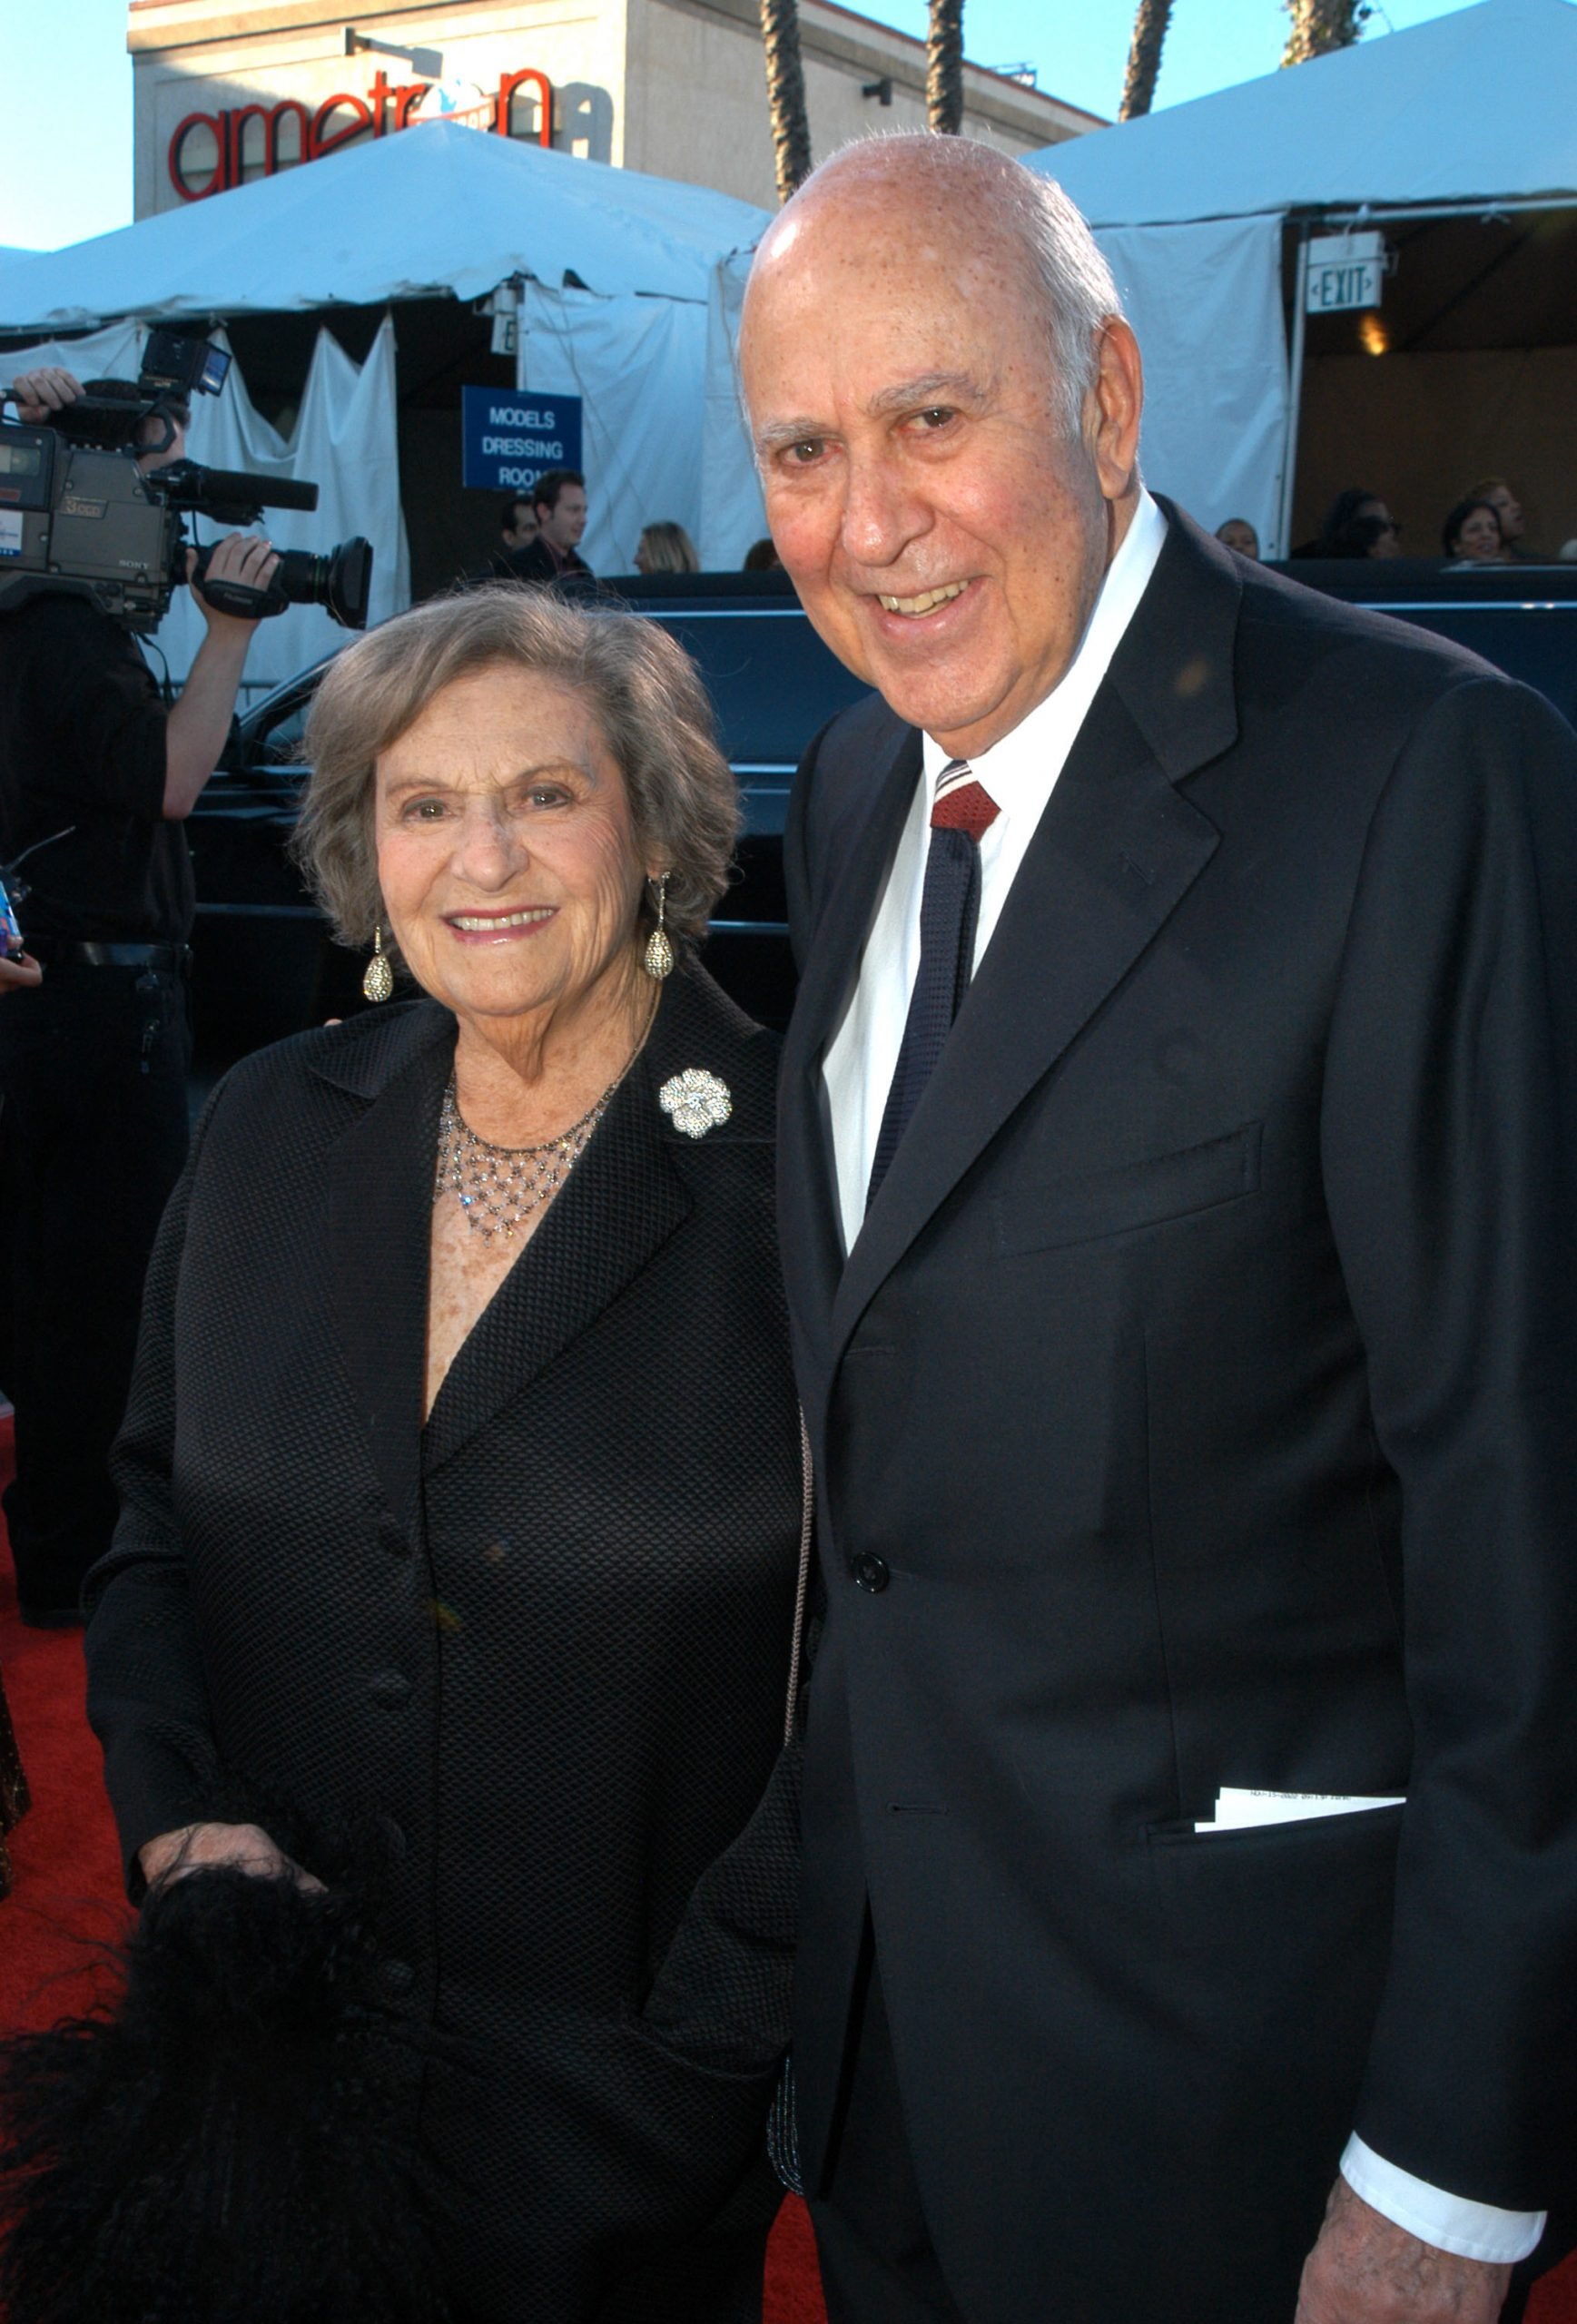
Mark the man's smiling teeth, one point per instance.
(927, 602)
(485, 923)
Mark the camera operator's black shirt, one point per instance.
(82, 741)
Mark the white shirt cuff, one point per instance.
(1450, 2223)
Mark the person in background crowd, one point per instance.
(469, 1309)
(516, 531)
(1358, 524)
(762, 557)
(1471, 534)
(558, 500)
(1239, 533)
(1175, 1192)
(18, 972)
(1509, 509)
(667, 547)
(96, 779)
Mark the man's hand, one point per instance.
(18, 969)
(39, 394)
(196, 1848)
(245, 557)
(1366, 2270)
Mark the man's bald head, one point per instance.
(987, 200)
(944, 400)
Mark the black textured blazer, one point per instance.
(543, 1643)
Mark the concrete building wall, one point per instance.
(675, 87)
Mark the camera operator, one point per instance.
(96, 777)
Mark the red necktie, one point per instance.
(949, 911)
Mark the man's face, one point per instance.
(521, 529)
(565, 522)
(946, 538)
(1508, 509)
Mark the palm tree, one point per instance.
(944, 68)
(1318, 27)
(785, 94)
(1144, 58)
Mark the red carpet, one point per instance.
(66, 1903)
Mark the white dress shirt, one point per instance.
(1021, 773)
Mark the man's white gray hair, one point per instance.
(1064, 256)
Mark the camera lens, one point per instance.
(341, 581)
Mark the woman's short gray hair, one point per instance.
(643, 687)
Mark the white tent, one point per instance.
(1469, 111)
(439, 209)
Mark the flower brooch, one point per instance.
(695, 1101)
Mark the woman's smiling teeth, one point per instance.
(927, 601)
(487, 923)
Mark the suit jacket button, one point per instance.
(870, 1571)
(389, 1688)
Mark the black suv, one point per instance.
(267, 967)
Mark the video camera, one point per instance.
(77, 513)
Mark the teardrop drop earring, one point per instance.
(377, 984)
(658, 958)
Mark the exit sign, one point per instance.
(1345, 270)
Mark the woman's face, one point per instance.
(642, 565)
(1479, 535)
(1509, 509)
(505, 851)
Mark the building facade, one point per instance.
(227, 91)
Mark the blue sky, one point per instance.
(65, 158)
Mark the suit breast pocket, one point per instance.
(1085, 1206)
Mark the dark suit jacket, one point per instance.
(544, 1641)
(536, 562)
(1202, 1382)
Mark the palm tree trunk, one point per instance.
(785, 94)
(1318, 27)
(944, 68)
(1144, 58)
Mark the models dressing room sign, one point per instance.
(211, 151)
(512, 437)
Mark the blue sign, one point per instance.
(514, 435)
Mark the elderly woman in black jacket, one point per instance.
(462, 1487)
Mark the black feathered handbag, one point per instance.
(233, 2143)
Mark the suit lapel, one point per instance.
(1116, 850)
(865, 843)
(379, 1175)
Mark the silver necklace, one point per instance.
(497, 1186)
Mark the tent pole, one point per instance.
(1294, 393)
(519, 288)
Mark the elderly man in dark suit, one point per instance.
(1178, 1208)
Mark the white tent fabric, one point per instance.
(1205, 301)
(1206, 304)
(440, 207)
(639, 366)
(1472, 105)
(732, 512)
(345, 439)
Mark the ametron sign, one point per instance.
(211, 151)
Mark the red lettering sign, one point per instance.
(384, 110)
(271, 116)
(327, 142)
(219, 123)
(507, 84)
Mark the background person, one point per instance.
(1239, 533)
(1471, 534)
(97, 778)
(667, 547)
(1177, 1150)
(559, 500)
(1508, 509)
(516, 531)
(762, 557)
(471, 1309)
